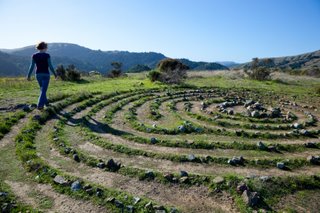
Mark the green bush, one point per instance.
(154, 75)
(170, 71)
(68, 74)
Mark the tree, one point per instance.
(68, 74)
(171, 71)
(72, 73)
(116, 69)
(258, 72)
(61, 72)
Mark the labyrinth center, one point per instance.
(173, 150)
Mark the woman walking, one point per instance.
(43, 63)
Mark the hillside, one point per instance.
(86, 59)
(305, 61)
(218, 143)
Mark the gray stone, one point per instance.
(118, 204)
(67, 150)
(281, 165)
(261, 145)
(311, 145)
(112, 165)
(76, 158)
(149, 175)
(265, 178)
(130, 209)
(255, 114)
(236, 161)
(99, 192)
(297, 126)
(153, 140)
(304, 132)
(76, 186)
(272, 148)
(191, 157)
(3, 194)
(184, 174)
(101, 165)
(136, 200)
(184, 180)
(275, 113)
(250, 198)
(218, 180)
(60, 180)
(314, 160)
(169, 177)
(182, 128)
(241, 188)
(248, 103)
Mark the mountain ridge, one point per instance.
(86, 59)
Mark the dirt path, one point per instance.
(60, 202)
(192, 199)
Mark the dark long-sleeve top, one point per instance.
(43, 63)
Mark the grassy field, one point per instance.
(131, 145)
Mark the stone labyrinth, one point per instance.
(173, 150)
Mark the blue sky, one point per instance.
(202, 30)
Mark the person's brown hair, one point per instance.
(41, 45)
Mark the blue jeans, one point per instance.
(43, 81)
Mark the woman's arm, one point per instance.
(31, 68)
(51, 67)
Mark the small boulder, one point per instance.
(60, 180)
(3, 194)
(153, 140)
(191, 157)
(241, 188)
(311, 145)
(184, 174)
(297, 126)
(218, 180)
(184, 180)
(314, 160)
(99, 192)
(281, 165)
(149, 174)
(76, 186)
(112, 165)
(255, 114)
(76, 158)
(101, 165)
(182, 128)
(261, 145)
(265, 178)
(169, 177)
(250, 198)
(136, 200)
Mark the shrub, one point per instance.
(61, 72)
(154, 75)
(116, 70)
(72, 74)
(169, 71)
(68, 74)
(258, 72)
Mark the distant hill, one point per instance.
(228, 64)
(305, 61)
(15, 62)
